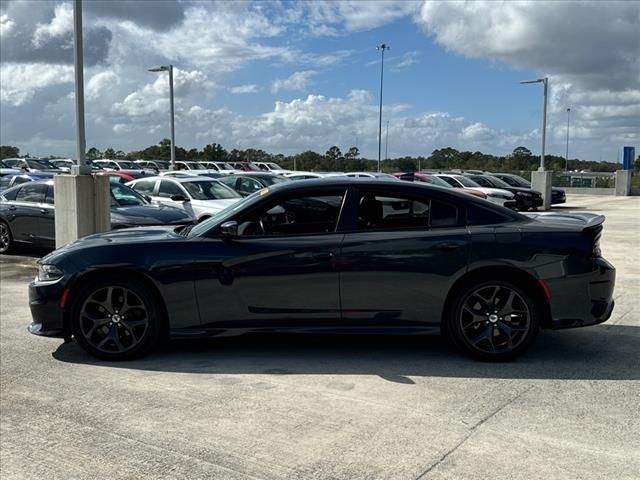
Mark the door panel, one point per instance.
(270, 282)
(400, 278)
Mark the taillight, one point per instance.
(596, 246)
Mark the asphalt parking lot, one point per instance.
(300, 407)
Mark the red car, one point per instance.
(114, 176)
(427, 178)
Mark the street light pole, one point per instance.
(81, 142)
(169, 68)
(567, 151)
(382, 48)
(386, 143)
(545, 82)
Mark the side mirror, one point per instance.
(179, 198)
(229, 229)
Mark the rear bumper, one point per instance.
(46, 313)
(582, 300)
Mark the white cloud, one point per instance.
(408, 59)
(6, 25)
(239, 89)
(330, 18)
(99, 84)
(298, 81)
(20, 82)
(60, 25)
(589, 50)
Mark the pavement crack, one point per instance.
(471, 431)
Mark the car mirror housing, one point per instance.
(229, 229)
(179, 198)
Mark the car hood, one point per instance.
(148, 215)
(493, 191)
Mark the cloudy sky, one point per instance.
(291, 76)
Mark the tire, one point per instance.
(6, 239)
(494, 320)
(117, 319)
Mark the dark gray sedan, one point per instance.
(27, 213)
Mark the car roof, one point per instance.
(179, 179)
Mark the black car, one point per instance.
(332, 255)
(525, 198)
(250, 182)
(27, 213)
(557, 194)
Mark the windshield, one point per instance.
(123, 196)
(274, 166)
(130, 165)
(222, 215)
(209, 190)
(517, 181)
(162, 165)
(224, 166)
(437, 181)
(497, 182)
(467, 182)
(40, 164)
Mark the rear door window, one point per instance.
(145, 187)
(31, 193)
(387, 211)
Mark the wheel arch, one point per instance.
(519, 277)
(92, 275)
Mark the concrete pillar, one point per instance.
(623, 183)
(541, 182)
(82, 206)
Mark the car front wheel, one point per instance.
(116, 319)
(494, 321)
(6, 240)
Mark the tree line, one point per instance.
(521, 159)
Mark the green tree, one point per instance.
(8, 151)
(214, 152)
(93, 154)
(110, 153)
(521, 152)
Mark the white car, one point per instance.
(220, 167)
(304, 175)
(124, 166)
(199, 196)
(272, 168)
(494, 195)
(376, 175)
(156, 165)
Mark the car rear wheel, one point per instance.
(116, 319)
(494, 321)
(6, 240)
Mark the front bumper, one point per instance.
(582, 300)
(525, 203)
(48, 317)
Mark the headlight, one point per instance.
(48, 273)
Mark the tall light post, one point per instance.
(382, 48)
(545, 82)
(82, 167)
(386, 143)
(169, 68)
(567, 151)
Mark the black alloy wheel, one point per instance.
(495, 321)
(116, 320)
(6, 241)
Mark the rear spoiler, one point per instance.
(587, 221)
